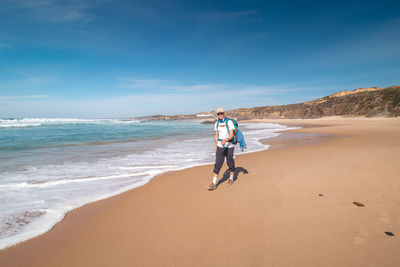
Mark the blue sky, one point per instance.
(104, 58)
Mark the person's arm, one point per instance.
(216, 140)
(216, 135)
(229, 138)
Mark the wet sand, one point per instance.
(291, 205)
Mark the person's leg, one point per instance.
(219, 160)
(230, 161)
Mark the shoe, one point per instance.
(211, 187)
(229, 183)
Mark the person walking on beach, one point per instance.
(224, 148)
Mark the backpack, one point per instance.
(237, 135)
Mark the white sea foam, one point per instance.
(41, 194)
(76, 180)
(26, 122)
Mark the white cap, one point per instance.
(220, 110)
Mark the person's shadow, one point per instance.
(227, 174)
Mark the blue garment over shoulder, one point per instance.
(241, 141)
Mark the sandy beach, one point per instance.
(291, 205)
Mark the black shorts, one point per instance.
(220, 157)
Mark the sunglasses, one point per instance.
(220, 113)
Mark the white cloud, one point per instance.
(52, 10)
(381, 42)
(141, 83)
(227, 15)
(29, 82)
(148, 97)
(22, 97)
(152, 86)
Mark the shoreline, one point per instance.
(77, 219)
(144, 182)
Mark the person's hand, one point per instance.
(223, 142)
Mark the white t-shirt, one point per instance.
(223, 132)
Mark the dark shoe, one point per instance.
(211, 187)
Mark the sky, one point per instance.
(118, 59)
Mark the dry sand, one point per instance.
(272, 216)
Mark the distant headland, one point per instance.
(362, 102)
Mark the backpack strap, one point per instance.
(227, 127)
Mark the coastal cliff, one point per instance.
(368, 102)
(364, 102)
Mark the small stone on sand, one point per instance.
(389, 233)
(359, 204)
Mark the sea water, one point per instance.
(51, 166)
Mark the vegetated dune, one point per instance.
(368, 102)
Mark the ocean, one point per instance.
(51, 166)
